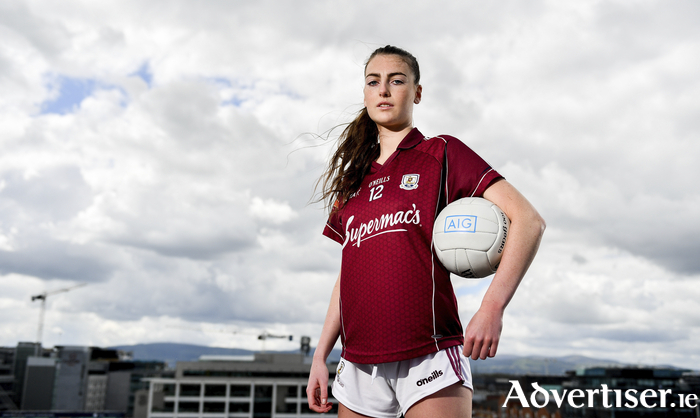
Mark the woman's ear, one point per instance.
(419, 92)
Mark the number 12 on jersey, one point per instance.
(375, 192)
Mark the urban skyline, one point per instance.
(91, 381)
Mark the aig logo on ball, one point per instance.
(460, 223)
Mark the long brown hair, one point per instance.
(358, 145)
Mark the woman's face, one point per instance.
(390, 92)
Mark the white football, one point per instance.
(469, 235)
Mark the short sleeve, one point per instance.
(334, 229)
(467, 174)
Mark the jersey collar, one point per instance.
(412, 139)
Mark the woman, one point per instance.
(393, 304)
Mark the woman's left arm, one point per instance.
(524, 236)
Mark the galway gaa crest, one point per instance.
(409, 181)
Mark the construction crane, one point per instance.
(264, 336)
(42, 297)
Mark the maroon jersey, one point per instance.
(396, 299)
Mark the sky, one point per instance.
(164, 153)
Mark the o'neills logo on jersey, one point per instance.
(378, 226)
(434, 375)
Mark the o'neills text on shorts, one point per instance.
(434, 375)
(618, 398)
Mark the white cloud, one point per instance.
(271, 211)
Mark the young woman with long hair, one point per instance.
(393, 306)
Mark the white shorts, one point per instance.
(389, 389)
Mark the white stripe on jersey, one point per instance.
(447, 172)
(435, 337)
(480, 180)
(331, 228)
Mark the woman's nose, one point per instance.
(383, 90)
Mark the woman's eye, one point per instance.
(397, 81)
(372, 83)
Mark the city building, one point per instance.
(7, 379)
(264, 385)
(72, 379)
(127, 379)
(23, 351)
(38, 388)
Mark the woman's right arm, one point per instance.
(317, 388)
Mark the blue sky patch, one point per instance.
(144, 72)
(71, 92)
(224, 83)
(221, 80)
(475, 286)
(235, 101)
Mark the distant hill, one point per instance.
(502, 363)
(509, 364)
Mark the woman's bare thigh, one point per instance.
(344, 412)
(453, 401)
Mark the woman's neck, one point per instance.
(389, 140)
